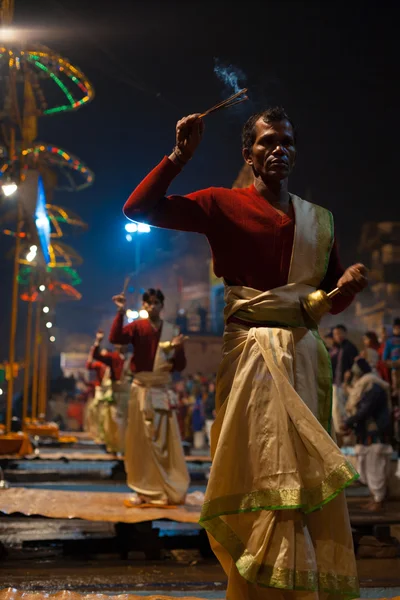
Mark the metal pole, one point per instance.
(13, 326)
(28, 350)
(35, 375)
(137, 264)
(43, 377)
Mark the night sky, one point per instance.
(332, 65)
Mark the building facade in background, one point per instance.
(379, 248)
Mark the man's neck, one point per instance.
(156, 322)
(275, 192)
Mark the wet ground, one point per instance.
(162, 557)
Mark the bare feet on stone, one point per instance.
(374, 506)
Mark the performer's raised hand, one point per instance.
(99, 335)
(353, 280)
(189, 132)
(119, 301)
(179, 340)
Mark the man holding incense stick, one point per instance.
(274, 509)
(154, 461)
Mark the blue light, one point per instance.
(137, 228)
(42, 220)
(128, 237)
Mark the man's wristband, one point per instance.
(178, 158)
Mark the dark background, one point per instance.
(332, 65)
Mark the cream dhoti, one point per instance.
(154, 460)
(274, 506)
(107, 414)
(121, 394)
(98, 416)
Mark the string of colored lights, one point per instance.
(73, 73)
(59, 273)
(56, 287)
(59, 215)
(54, 66)
(62, 158)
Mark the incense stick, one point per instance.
(227, 103)
(127, 279)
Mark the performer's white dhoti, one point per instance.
(154, 460)
(121, 395)
(274, 507)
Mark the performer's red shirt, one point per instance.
(76, 411)
(98, 367)
(144, 339)
(114, 360)
(251, 242)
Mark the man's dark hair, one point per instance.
(396, 323)
(363, 365)
(371, 335)
(341, 327)
(152, 292)
(271, 115)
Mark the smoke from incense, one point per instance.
(229, 75)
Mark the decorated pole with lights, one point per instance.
(13, 324)
(36, 349)
(38, 82)
(28, 351)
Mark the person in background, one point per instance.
(97, 371)
(369, 415)
(391, 357)
(209, 410)
(384, 370)
(154, 460)
(342, 353)
(115, 414)
(371, 350)
(182, 320)
(203, 313)
(198, 419)
(75, 413)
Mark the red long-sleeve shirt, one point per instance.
(250, 241)
(144, 339)
(96, 366)
(111, 359)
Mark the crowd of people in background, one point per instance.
(365, 403)
(195, 408)
(379, 358)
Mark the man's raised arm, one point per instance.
(149, 203)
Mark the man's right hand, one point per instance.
(120, 301)
(189, 132)
(99, 336)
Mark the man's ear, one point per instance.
(247, 156)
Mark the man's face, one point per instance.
(396, 330)
(153, 307)
(273, 153)
(338, 335)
